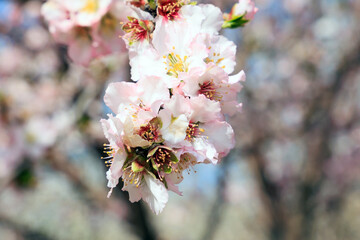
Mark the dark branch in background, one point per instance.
(61, 164)
(318, 127)
(271, 194)
(270, 191)
(137, 215)
(216, 211)
(23, 231)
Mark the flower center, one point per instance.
(90, 7)
(169, 9)
(215, 58)
(193, 130)
(162, 160)
(176, 64)
(149, 132)
(132, 177)
(208, 89)
(138, 29)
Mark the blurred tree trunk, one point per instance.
(319, 128)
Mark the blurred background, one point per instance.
(293, 175)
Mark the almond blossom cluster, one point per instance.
(90, 28)
(173, 116)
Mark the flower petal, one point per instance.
(156, 195)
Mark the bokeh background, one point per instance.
(293, 175)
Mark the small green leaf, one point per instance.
(167, 169)
(156, 122)
(136, 167)
(142, 24)
(173, 158)
(152, 4)
(165, 183)
(237, 21)
(154, 165)
(153, 151)
(150, 173)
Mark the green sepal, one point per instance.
(237, 21)
(150, 173)
(143, 25)
(154, 165)
(130, 156)
(137, 167)
(152, 4)
(173, 119)
(167, 169)
(130, 18)
(153, 151)
(165, 183)
(173, 158)
(128, 161)
(156, 122)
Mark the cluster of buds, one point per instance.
(173, 116)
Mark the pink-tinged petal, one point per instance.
(213, 19)
(195, 79)
(193, 15)
(221, 135)
(146, 62)
(143, 117)
(222, 52)
(154, 92)
(198, 51)
(166, 36)
(204, 110)
(135, 193)
(171, 180)
(178, 105)
(114, 173)
(205, 149)
(160, 37)
(237, 77)
(156, 195)
(191, 80)
(109, 134)
(121, 93)
(122, 10)
(112, 128)
(91, 11)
